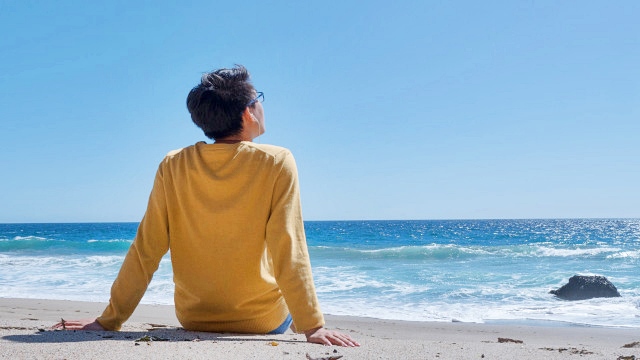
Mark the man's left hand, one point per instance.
(83, 324)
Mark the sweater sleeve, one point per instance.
(287, 244)
(142, 260)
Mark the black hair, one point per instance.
(217, 103)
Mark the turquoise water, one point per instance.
(461, 270)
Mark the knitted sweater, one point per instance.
(231, 218)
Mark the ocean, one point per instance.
(480, 271)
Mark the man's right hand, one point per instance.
(329, 337)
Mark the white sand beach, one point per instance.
(153, 332)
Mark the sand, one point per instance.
(25, 334)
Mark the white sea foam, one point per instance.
(23, 238)
(621, 312)
(74, 278)
(635, 254)
(555, 252)
(337, 281)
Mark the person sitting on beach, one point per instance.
(229, 212)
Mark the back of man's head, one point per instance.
(217, 103)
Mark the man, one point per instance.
(230, 214)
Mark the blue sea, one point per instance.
(441, 270)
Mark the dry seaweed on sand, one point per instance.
(507, 340)
(14, 328)
(573, 351)
(634, 344)
(148, 338)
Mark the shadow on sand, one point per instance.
(154, 334)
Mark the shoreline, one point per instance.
(25, 323)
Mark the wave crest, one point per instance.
(452, 251)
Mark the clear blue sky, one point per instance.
(393, 109)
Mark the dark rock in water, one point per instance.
(581, 287)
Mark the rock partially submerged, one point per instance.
(581, 287)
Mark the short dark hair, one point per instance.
(217, 103)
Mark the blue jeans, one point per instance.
(282, 328)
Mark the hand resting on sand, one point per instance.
(329, 337)
(83, 324)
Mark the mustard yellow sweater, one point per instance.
(230, 216)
